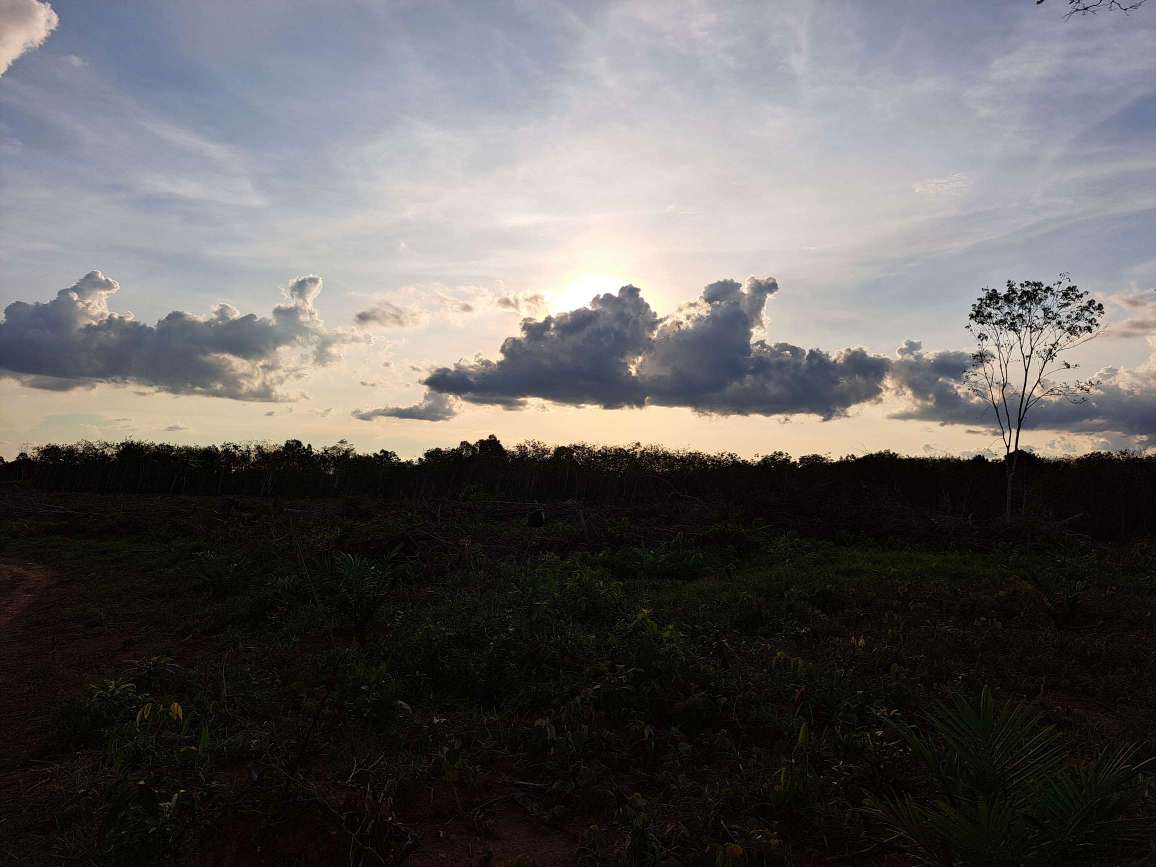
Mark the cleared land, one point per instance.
(231, 680)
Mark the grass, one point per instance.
(346, 681)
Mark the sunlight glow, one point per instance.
(580, 289)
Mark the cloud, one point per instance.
(934, 383)
(523, 303)
(955, 184)
(24, 25)
(617, 352)
(1124, 403)
(710, 357)
(75, 340)
(580, 357)
(388, 315)
(176, 427)
(433, 407)
(1142, 315)
(708, 361)
(457, 305)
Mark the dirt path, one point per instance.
(44, 654)
(26, 661)
(20, 584)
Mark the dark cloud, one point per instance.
(707, 360)
(934, 383)
(525, 304)
(710, 357)
(1123, 403)
(617, 352)
(74, 340)
(176, 427)
(386, 314)
(580, 357)
(433, 407)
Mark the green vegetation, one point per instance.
(364, 681)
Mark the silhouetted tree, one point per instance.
(1091, 7)
(1021, 332)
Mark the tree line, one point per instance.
(1110, 496)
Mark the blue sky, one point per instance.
(881, 161)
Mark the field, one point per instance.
(478, 679)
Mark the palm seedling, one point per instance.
(362, 587)
(1007, 793)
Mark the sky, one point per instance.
(406, 224)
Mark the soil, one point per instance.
(47, 652)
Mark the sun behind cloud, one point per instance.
(580, 288)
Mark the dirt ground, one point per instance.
(44, 654)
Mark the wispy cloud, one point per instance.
(955, 184)
(1141, 314)
(386, 314)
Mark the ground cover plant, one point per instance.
(452, 672)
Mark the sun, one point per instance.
(580, 289)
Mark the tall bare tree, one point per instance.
(1021, 333)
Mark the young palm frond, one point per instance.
(363, 586)
(1085, 810)
(1007, 795)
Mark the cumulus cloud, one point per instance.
(617, 352)
(386, 314)
(1123, 403)
(711, 357)
(526, 304)
(584, 356)
(934, 383)
(433, 407)
(707, 360)
(75, 340)
(24, 25)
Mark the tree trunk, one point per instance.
(1011, 471)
